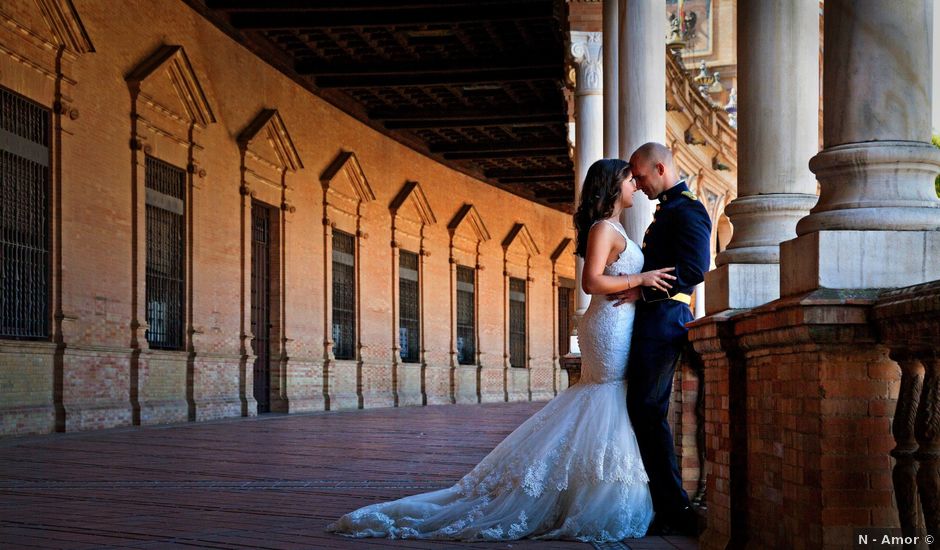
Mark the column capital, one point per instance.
(587, 52)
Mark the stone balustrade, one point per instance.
(908, 321)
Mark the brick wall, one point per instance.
(93, 375)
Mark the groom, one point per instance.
(678, 237)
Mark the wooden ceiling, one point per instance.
(476, 84)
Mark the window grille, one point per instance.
(409, 327)
(344, 295)
(466, 322)
(565, 313)
(24, 218)
(517, 323)
(165, 185)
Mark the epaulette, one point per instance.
(690, 195)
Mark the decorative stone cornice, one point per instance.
(269, 126)
(413, 193)
(66, 25)
(561, 248)
(586, 50)
(183, 80)
(347, 165)
(520, 233)
(469, 214)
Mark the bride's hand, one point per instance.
(657, 278)
(625, 296)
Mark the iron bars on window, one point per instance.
(25, 204)
(344, 295)
(165, 282)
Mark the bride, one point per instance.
(573, 470)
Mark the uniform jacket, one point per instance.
(679, 237)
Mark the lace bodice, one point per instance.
(605, 331)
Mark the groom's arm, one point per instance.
(694, 247)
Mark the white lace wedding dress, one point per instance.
(571, 471)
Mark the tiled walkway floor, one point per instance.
(268, 482)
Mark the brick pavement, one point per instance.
(269, 482)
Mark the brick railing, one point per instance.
(804, 401)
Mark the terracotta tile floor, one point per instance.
(268, 482)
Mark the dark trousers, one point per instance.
(649, 388)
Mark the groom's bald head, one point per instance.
(654, 168)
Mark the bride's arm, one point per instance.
(602, 240)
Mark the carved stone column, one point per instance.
(586, 51)
(877, 206)
(778, 122)
(611, 80)
(642, 93)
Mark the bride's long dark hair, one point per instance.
(600, 193)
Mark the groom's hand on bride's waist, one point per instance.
(625, 296)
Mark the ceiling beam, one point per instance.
(525, 60)
(519, 112)
(469, 155)
(497, 147)
(533, 175)
(513, 121)
(444, 78)
(320, 17)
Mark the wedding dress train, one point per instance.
(571, 471)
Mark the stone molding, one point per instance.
(267, 155)
(566, 245)
(518, 250)
(467, 235)
(586, 49)
(343, 209)
(67, 26)
(411, 214)
(268, 128)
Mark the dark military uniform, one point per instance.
(678, 237)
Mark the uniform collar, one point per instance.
(673, 192)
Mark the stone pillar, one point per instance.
(877, 220)
(642, 93)
(611, 80)
(778, 124)
(699, 301)
(586, 51)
